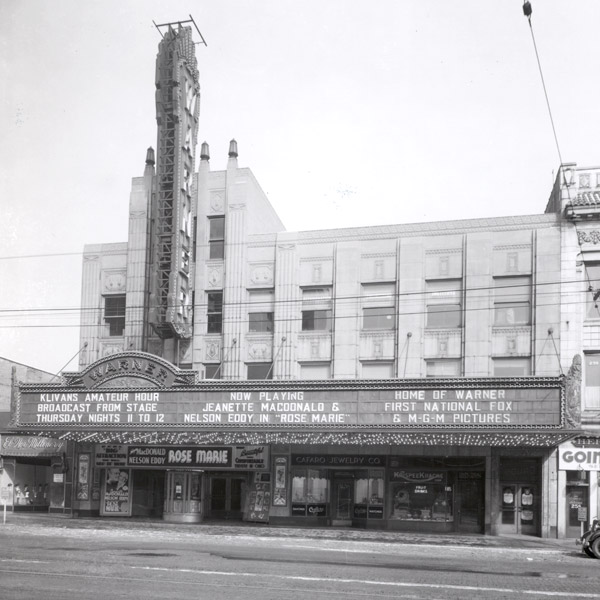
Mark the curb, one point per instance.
(29, 523)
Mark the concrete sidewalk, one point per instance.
(54, 524)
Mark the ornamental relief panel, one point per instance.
(113, 281)
(260, 351)
(512, 260)
(214, 276)
(261, 275)
(217, 201)
(376, 345)
(442, 344)
(316, 272)
(443, 263)
(213, 351)
(313, 347)
(511, 341)
(378, 268)
(589, 237)
(110, 348)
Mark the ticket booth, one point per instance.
(183, 496)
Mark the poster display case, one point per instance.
(368, 494)
(421, 496)
(310, 492)
(116, 493)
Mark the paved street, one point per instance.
(50, 558)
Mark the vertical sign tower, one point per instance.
(177, 110)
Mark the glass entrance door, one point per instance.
(183, 501)
(520, 509)
(470, 503)
(226, 497)
(343, 500)
(577, 499)
(148, 493)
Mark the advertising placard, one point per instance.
(111, 455)
(258, 501)
(83, 477)
(280, 485)
(116, 493)
(572, 458)
(24, 445)
(183, 456)
(248, 458)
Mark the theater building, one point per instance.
(405, 377)
(423, 454)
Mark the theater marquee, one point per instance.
(136, 391)
(412, 407)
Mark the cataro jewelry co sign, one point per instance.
(327, 406)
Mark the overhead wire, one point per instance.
(528, 11)
(350, 298)
(334, 317)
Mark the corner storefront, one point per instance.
(33, 473)
(578, 479)
(446, 455)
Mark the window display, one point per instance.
(421, 496)
(310, 492)
(368, 494)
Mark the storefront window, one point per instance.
(368, 495)
(310, 492)
(420, 496)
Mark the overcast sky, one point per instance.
(349, 113)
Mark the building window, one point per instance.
(368, 494)
(512, 367)
(260, 311)
(215, 312)
(592, 280)
(592, 380)
(114, 314)
(377, 370)
(310, 492)
(260, 371)
(379, 318)
(449, 367)
(444, 304)
(512, 301)
(261, 322)
(316, 309)
(315, 370)
(216, 237)
(378, 305)
(316, 320)
(212, 371)
(429, 498)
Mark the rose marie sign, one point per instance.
(140, 391)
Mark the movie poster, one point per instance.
(116, 493)
(83, 477)
(280, 491)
